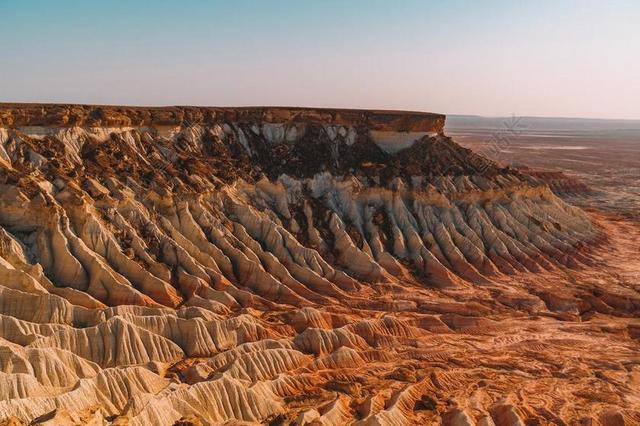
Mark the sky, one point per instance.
(558, 58)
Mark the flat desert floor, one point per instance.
(601, 168)
(604, 156)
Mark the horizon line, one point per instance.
(196, 105)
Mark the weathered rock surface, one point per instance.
(297, 266)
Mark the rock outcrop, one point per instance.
(292, 265)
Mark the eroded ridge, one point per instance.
(293, 265)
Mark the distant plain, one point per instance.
(603, 154)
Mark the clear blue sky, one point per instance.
(577, 58)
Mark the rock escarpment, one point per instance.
(249, 264)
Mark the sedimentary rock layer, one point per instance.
(291, 265)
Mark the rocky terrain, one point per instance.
(191, 265)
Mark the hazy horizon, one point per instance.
(448, 115)
(569, 59)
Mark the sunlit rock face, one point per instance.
(288, 265)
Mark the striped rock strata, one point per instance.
(292, 266)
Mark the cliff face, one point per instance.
(260, 263)
(233, 143)
(50, 115)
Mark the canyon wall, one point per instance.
(268, 264)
